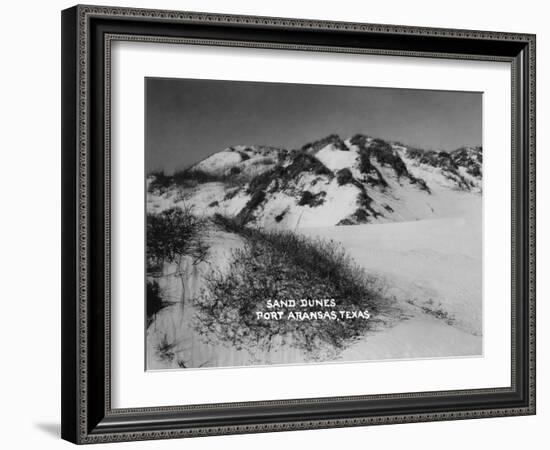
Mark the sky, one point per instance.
(187, 120)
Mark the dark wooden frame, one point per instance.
(87, 32)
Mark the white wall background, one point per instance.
(30, 222)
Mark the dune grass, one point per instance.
(282, 265)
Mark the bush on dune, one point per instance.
(190, 178)
(194, 177)
(159, 182)
(171, 235)
(282, 265)
(174, 233)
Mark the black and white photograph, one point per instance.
(275, 225)
(299, 223)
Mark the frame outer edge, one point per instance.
(532, 144)
(75, 219)
(297, 23)
(69, 264)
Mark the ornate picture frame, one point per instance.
(88, 33)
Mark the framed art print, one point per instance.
(278, 224)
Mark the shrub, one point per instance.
(247, 213)
(300, 163)
(244, 156)
(265, 161)
(422, 185)
(173, 233)
(312, 200)
(160, 182)
(333, 139)
(304, 162)
(344, 176)
(363, 199)
(433, 158)
(380, 150)
(284, 265)
(189, 178)
(360, 140)
(346, 221)
(365, 165)
(475, 171)
(166, 350)
(361, 215)
(231, 193)
(193, 177)
(386, 155)
(280, 217)
(231, 225)
(261, 181)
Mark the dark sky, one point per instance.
(187, 120)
